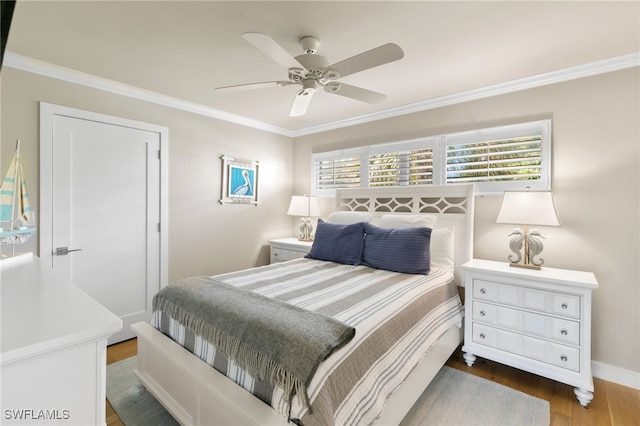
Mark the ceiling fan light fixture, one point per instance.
(309, 87)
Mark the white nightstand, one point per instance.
(538, 321)
(288, 248)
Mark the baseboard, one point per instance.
(616, 375)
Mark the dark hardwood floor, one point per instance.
(613, 404)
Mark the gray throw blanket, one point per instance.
(274, 341)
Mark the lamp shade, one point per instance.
(528, 208)
(303, 205)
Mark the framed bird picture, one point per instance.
(239, 181)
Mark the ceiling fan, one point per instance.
(312, 71)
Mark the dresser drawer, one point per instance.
(530, 347)
(567, 305)
(558, 329)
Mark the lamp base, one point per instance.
(526, 266)
(306, 229)
(308, 240)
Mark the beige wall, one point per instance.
(595, 182)
(205, 237)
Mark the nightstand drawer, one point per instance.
(282, 255)
(526, 346)
(524, 297)
(284, 249)
(558, 329)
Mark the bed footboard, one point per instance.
(196, 394)
(192, 391)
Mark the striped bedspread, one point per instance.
(397, 318)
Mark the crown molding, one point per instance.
(46, 69)
(586, 70)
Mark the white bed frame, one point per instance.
(197, 394)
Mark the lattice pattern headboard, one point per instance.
(452, 204)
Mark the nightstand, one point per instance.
(537, 321)
(284, 249)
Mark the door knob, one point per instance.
(63, 251)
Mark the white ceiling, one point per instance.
(184, 49)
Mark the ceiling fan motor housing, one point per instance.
(312, 62)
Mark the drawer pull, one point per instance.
(563, 358)
(564, 332)
(564, 306)
(483, 291)
(482, 336)
(482, 313)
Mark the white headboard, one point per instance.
(452, 204)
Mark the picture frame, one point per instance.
(239, 181)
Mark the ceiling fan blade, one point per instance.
(372, 58)
(354, 92)
(301, 103)
(266, 45)
(250, 86)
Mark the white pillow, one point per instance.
(442, 247)
(408, 220)
(347, 218)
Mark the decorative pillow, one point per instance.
(338, 243)
(397, 249)
(442, 247)
(408, 220)
(347, 218)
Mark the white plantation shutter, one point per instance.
(413, 167)
(491, 161)
(515, 157)
(336, 170)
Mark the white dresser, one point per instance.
(54, 338)
(534, 320)
(284, 249)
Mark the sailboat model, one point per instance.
(16, 216)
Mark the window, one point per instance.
(492, 161)
(336, 170)
(400, 164)
(496, 159)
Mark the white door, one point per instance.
(104, 231)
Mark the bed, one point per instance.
(195, 393)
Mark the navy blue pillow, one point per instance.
(338, 243)
(403, 250)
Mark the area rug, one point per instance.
(452, 398)
(458, 398)
(130, 399)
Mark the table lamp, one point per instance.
(306, 207)
(527, 208)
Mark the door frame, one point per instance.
(47, 114)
